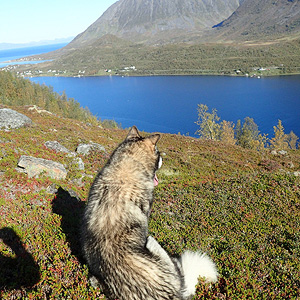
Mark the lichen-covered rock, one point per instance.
(57, 147)
(11, 119)
(85, 149)
(33, 167)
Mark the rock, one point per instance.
(33, 167)
(290, 165)
(10, 119)
(297, 173)
(85, 149)
(39, 110)
(57, 147)
(274, 152)
(52, 189)
(78, 161)
(282, 152)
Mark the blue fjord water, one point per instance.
(169, 103)
(11, 54)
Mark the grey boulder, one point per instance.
(11, 119)
(33, 167)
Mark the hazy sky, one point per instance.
(23, 21)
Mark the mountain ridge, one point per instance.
(249, 35)
(256, 20)
(165, 21)
(152, 21)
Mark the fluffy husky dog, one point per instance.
(122, 259)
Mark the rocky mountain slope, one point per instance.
(165, 21)
(256, 20)
(157, 21)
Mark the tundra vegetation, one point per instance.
(240, 205)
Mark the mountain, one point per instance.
(157, 21)
(261, 20)
(184, 37)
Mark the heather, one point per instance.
(241, 206)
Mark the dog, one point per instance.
(122, 258)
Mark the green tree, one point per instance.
(238, 130)
(248, 133)
(248, 136)
(208, 123)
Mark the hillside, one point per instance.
(240, 206)
(118, 55)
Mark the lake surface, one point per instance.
(169, 103)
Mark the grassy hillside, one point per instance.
(240, 206)
(111, 53)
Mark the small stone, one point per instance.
(52, 189)
(85, 149)
(282, 152)
(80, 164)
(57, 147)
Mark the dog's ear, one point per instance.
(154, 138)
(133, 133)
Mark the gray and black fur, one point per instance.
(126, 262)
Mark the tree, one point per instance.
(227, 133)
(238, 130)
(248, 136)
(280, 139)
(209, 128)
(248, 133)
(292, 140)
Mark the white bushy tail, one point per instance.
(194, 265)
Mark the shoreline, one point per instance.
(29, 68)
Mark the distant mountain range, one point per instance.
(4, 46)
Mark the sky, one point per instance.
(25, 21)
